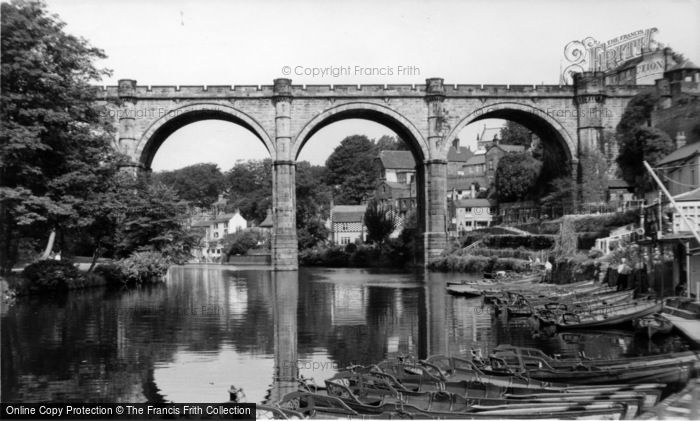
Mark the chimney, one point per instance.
(455, 143)
(473, 191)
(680, 139)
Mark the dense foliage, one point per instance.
(516, 176)
(145, 267)
(351, 168)
(55, 141)
(638, 142)
(380, 222)
(153, 221)
(242, 241)
(199, 184)
(50, 276)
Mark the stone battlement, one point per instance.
(344, 90)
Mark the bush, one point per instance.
(242, 241)
(51, 275)
(533, 242)
(519, 253)
(144, 267)
(598, 222)
(113, 274)
(509, 263)
(365, 256)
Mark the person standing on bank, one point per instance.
(547, 271)
(623, 272)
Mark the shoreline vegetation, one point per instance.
(61, 276)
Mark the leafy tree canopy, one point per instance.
(380, 223)
(513, 133)
(516, 176)
(643, 144)
(55, 142)
(351, 168)
(199, 184)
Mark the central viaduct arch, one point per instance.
(429, 117)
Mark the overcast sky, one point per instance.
(217, 42)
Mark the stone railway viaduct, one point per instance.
(428, 117)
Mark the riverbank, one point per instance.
(60, 276)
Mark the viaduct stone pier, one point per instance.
(427, 117)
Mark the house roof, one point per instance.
(461, 154)
(508, 148)
(224, 217)
(685, 152)
(397, 186)
(685, 65)
(200, 223)
(397, 160)
(348, 213)
(476, 159)
(474, 203)
(691, 196)
(464, 183)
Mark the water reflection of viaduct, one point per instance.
(363, 323)
(428, 117)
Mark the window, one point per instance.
(468, 210)
(344, 226)
(225, 224)
(344, 240)
(491, 164)
(216, 234)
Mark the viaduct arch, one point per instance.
(429, 117)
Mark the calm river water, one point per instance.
(210, 327)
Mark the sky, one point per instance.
(218, 42)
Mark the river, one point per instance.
(210, 327)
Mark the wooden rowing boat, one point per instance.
(607, 316)
(464, 378)
(652, 324)
(375, 391)
(533, 357)
(441, 406)
(684, 405)
(668, 371)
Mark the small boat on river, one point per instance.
(652, 324)
(684, 405)
(605, 316)
(684, 315)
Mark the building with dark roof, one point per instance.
(680, 170)
(347, 223)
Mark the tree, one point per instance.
(390, 143)
(516, 176)
(643, 144)
(55, 142)
(639, 142)
(562, 193)
(199, 184)
(380, 223)
(312, 204)
(154, 221)
(249, 185)
(513, 133)
(350, 169)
